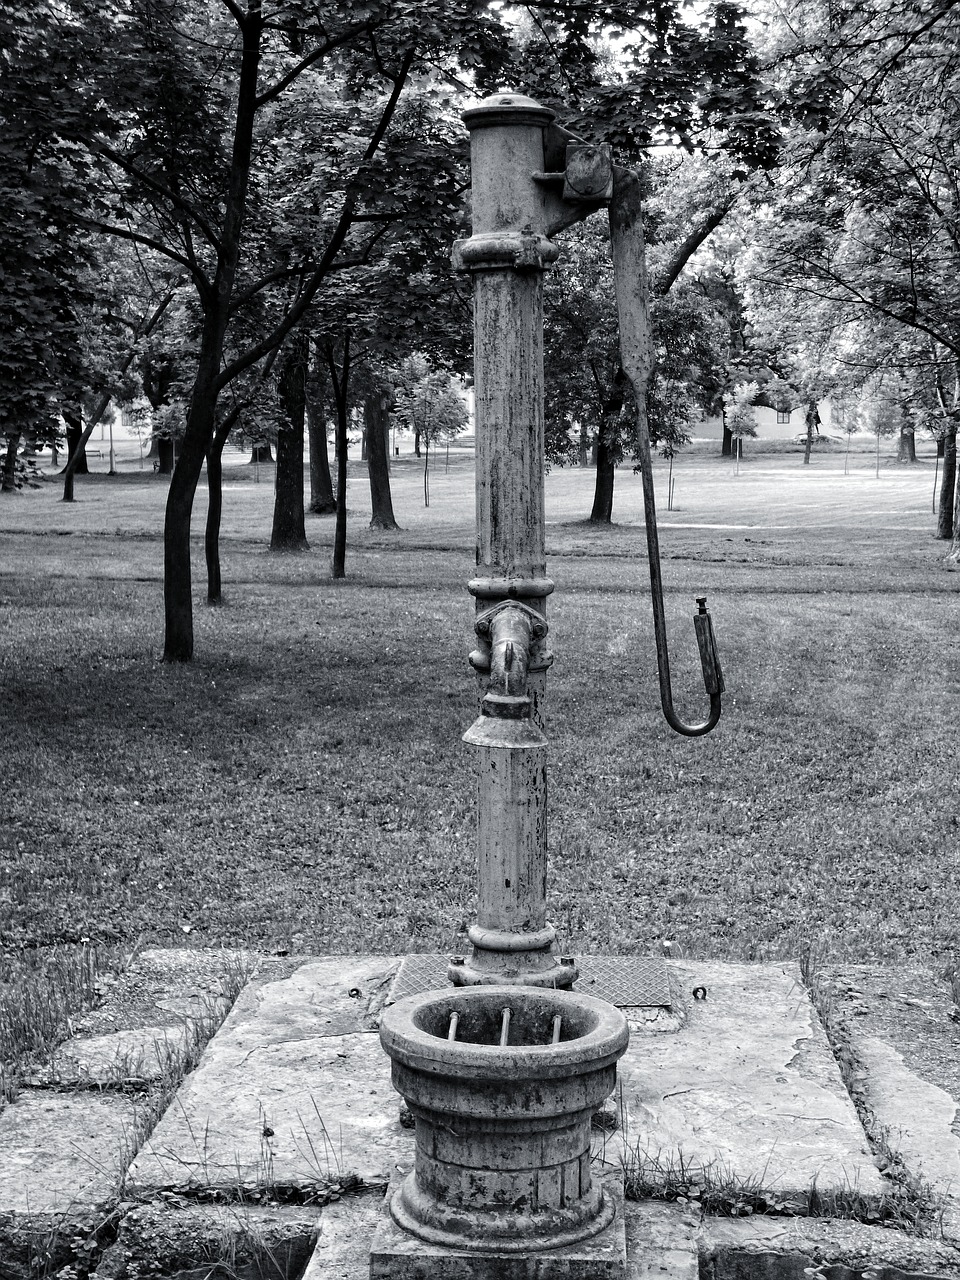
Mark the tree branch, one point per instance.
(237, 12)
(334, 245)
(101, 406)
(692, 243)
(158, 188)
(321, 51)
(123, 233)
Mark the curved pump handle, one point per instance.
(636, 358)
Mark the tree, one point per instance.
(428, 405)
(377, 403)
(199, 145)
(867, 218)
(586, 397)
(51, 102)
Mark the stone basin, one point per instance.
(503, 1130)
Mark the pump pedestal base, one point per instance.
(397, 1255)
(501, 958)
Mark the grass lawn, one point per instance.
(302, 784)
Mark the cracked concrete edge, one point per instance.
(917, 1121)
(837, 1249)
(182, 1240)
(671, 1241)
(666, 1241)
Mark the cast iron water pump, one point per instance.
(530, 180)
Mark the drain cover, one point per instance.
(629, 982)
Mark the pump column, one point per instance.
(507, 254)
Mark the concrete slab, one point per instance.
(746, 1092)
(919, 1117)
(62, 1153)
(662, 1241)
(293, 1091)
(346, 1232)
(166, 986)
(796, 1248)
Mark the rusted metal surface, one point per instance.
(628, 982)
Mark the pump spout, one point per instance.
(636, 358)
(507, 634)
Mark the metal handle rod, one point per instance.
(504, 1027)
(452, 1030)
(636, 357)
(556, 1029)
(659, 614)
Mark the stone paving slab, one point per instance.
(747, 1090)
(749, 1056)
(920, 1120)
(662, 1241)
(180, 1240)
(899, 1031)
(62, 1153)
(293, 1090)
(142, 1054)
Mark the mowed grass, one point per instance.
(302, 785)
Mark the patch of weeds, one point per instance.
(65, 1248)
(326, 1180)
(41, 989)
(718, 1190)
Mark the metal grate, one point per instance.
(629, 982)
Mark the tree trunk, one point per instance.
(907, 446)
(197, 436)
(602, 512)
(726, 449)
(948, 485)
(340, 381)
(74, 436)
(954, 553)
(339, 564)
(8, 484)
(811, 418)
(584, 445)
(376, 417)
(322, 500)
(289, 530)
(942, 445)
(416, 442)
(211, 536)
(165, 454)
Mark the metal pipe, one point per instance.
(556, 1029)
(452, 1029)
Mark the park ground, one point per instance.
(302, 787)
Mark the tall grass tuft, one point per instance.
(41, 989)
